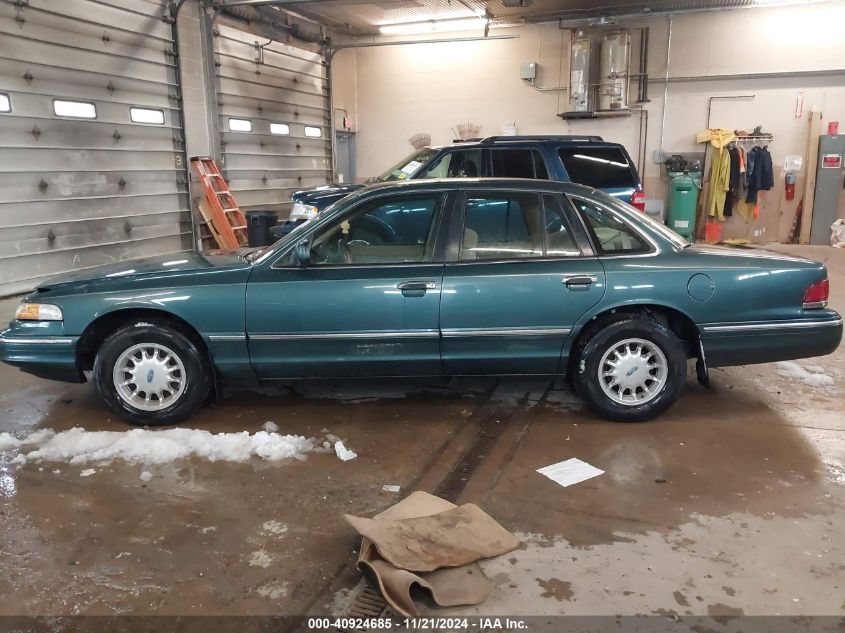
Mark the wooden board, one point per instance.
(815, 122)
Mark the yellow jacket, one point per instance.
(720, 181)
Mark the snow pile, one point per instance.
(812, 376)
(142, 446)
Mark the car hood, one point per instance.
(162, 264)
(321, 198)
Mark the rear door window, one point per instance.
(599, 167)
(610, 234)
(502, 226)
(517, 163)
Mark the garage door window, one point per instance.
(279, 128)
(74, 109)
(385, 231)
(5, 103)
(149, 116)
(240, 125)
(313, 132)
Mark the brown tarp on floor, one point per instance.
(438, 540)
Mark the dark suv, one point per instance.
(587, 160)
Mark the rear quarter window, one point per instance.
(599, 167)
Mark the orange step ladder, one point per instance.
(221, 213)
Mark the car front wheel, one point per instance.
(151, 374)
(631, 369)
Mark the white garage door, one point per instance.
(274, 115)
(91, 150)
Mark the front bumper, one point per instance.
(748, 343)
(50, 356)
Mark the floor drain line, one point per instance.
(369, 603)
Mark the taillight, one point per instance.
(638, 200)
(817, 294)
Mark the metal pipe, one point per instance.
(642, 75)
(833, 72)
(666, 86)
(479, 38)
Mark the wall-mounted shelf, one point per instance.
(598, 114)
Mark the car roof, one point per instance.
(425, 184)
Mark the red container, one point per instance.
(712, 231)
(833, 128)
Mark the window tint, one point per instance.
(502, 226)
(559, 239)
(458, 164)
(5, 104)
(599, 167)
(398, 230)
(517, 163)
(75, 109)
(612, 236)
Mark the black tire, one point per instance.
(196, 377)
(607, 335)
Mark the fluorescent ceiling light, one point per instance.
(433, 26)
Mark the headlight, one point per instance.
(38, 312)
(301, 211)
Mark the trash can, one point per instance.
(258, 225)
(683, 201)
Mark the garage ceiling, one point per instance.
(358, 17)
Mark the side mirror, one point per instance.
(302, 254)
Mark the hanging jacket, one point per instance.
(720, 175)
(759, 173)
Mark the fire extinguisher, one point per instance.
(789, 186)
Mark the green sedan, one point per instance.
(430, 278)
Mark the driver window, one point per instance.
(384, 231)
(611, 235)
(457, 164)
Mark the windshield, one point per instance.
(408, 166)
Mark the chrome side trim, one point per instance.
(220, 338)
(12, 340)
(345, 335)
(507, 331)
(748, 327)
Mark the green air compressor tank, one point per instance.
(683, 201)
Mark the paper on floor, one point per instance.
(570, 471)
(343, 453)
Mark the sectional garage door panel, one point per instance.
(76, 192)
(280, 93)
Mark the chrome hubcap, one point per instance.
(633, 371)
(149, 377)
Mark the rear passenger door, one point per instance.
(517, 279)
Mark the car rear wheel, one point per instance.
(630, 369)
(151, 374)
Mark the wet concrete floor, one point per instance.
(733, 502)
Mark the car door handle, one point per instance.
(417, 285)
(580, 280)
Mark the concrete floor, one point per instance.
(733, 502)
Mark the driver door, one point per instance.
(367, 304)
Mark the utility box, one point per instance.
(683, 201)
(528, 71)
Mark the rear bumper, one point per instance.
(49, 356)
(765, 342)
